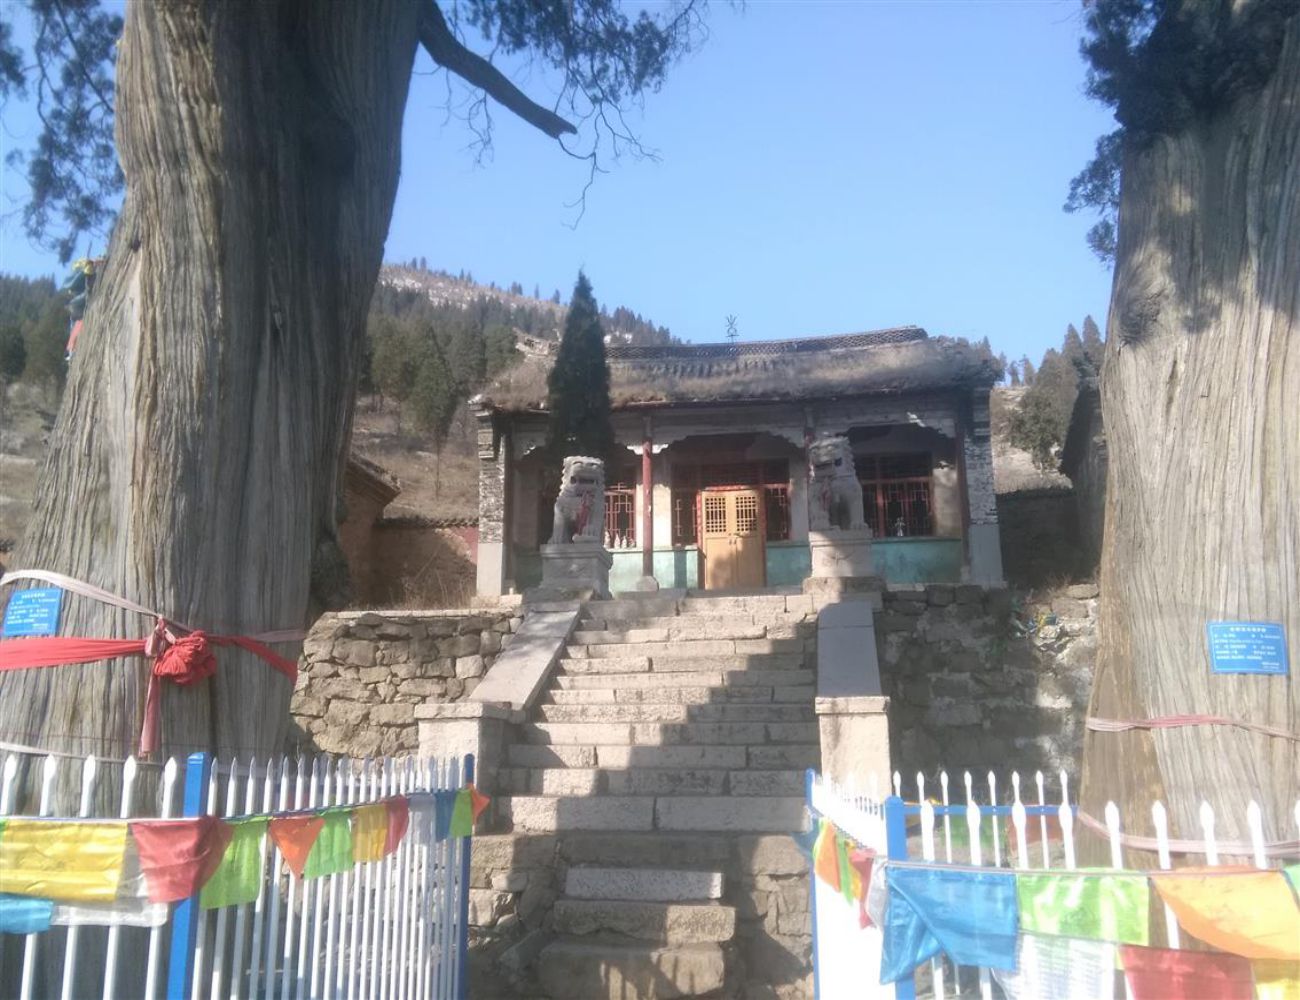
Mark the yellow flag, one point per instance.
(369, 832)
(73, 862)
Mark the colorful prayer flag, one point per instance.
(861, 859)
(1247, 912)
(1160, 973)
(177, 856)
(369, 832)
(332, 852)
(478, 801)
(444, 804)
(295, 836)
(1060, 968)
(79, 862)
(826, 861)
(24, 914)
(462, 815)
(971, 916)
(399, 818)
(1102, 907)
(1276, 979)
(238, 878)
(846, 871)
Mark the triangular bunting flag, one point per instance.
(462, 815)
(1101, 907)
(295, 836)
(478, 801)
(399, 818)
(826, 861)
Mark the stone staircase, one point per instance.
(673, 729)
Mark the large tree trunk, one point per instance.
(196, 460)
(1201, 399)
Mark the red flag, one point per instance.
(295, 836)
(478, 801)
(177, 856)
(861, 858)
(1159, 973)
(399, 816)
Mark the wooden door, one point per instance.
(731, 536)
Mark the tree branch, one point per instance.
(447, 51)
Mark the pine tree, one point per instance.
(13, 352)
(1013, 371)
(1093, 345)
(577, 395)
(1027, 371)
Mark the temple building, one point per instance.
(710, 486)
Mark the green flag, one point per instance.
(1100, 907)
(846, 872)
(462, 816)
(238, 878)
(332, 852)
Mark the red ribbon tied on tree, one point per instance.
(182, 660)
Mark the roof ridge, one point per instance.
(750, 348)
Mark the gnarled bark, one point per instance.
(1201, 399)
(195, 463)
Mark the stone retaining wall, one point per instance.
(363, 672)
(969, 688)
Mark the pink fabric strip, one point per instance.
(107, 597)
(1177, 721)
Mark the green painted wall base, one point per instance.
(917, 560)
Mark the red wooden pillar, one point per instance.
(647, 501)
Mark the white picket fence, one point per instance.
(393, 929)
(968, 826)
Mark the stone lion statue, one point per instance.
(834, 493)
(580, 506)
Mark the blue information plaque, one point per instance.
(32, 613)
(1247, 648)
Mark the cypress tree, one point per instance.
(577, 396)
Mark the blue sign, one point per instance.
(33, 612)
(1247, 648)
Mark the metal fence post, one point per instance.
(896, 847)
(462, 945)
(809, 776)
(180, 963)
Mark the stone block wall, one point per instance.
(969, 688)
(363, 672)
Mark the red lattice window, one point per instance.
(620, 516)
(897, 494)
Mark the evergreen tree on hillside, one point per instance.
(1093, 345)
(45, 345)
(1013, 373)
(1027, 371)
(577, 395)
(13, 352)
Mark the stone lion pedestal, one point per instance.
(840, 552)
(578, 568)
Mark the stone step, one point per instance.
(651, 885)
(776, 619)
(666, 696)
(704, 851)
(583, 969)
(668, 923)
(687, 630)
(757, 814)
(671, 712)
(696, 648)
(694, 678)
(668, 733)
(546, 813)
(795, 756)
(682, 664)
(632, 608)
(641, 780)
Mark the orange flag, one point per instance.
(295, 836)
(826, 859)
(1246, 912)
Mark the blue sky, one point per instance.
(823, 168)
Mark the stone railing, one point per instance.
(363, 673)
